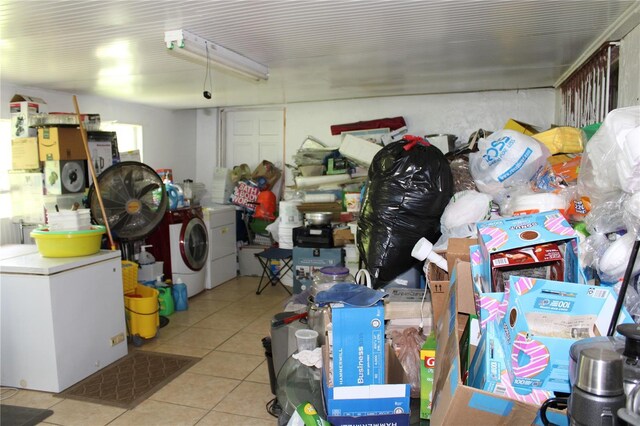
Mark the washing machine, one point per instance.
(182, 242)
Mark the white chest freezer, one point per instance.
(62, 319)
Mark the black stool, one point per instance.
(265, 257)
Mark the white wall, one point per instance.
(629, 77)
(169, 136)
(460, 114)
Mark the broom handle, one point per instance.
(92, 170)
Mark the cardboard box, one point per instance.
(306, 261)
(23, 111)
(101, 156)
(458, 249)
(65, 177)
(539, 261)
(27, 195)
(362, 405)
(427, 369)
(521, 127)
(543, 319)
(342, 237)
(222, 186)
(357, 338)
(106, 137)
(504, 235)
(488, 371)
(455, 403)
(24, 154)
(60, 143)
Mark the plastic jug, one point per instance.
(179, 292)
(166, 301)
(145, 258)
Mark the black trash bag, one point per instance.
(407, 192)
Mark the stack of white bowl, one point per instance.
(69, 220)
(290, 218)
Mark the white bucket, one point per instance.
(535, 203)
(351, 253)
(289, 214)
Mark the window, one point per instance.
(592, 90)
(129, 135)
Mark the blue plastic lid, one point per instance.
(335, 270)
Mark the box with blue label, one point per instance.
(488, 371)
(543, 319)
(490, 306)
(363, 404)
(518, 244)
(306, 261)
(455, 403)
(357, 339)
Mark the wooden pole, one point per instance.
(92, 170)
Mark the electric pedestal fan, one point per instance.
(134, 200)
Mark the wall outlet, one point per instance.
(118, 338)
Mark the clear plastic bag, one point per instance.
(465, 209)
(610, 156)
(407, 345)
(506, 159)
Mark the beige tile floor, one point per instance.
(228, 386)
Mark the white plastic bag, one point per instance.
(611, 160)
(506, 159)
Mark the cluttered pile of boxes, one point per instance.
(537, 239)
(535, 282)
(49, 161)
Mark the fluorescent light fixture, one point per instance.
(184, 42)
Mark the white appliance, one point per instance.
(221, 225)
(187, 261)
(62, 318)
(181, 241)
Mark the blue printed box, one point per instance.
(488, 371)
(368, 402)
(543, 319)
(507, 234)
(358, 344)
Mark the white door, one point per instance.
(251, 136)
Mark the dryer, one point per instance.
(182, 242)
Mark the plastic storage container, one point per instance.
(180, 297)
(329, 276)
(141, 312)
(166, 301)
(129, 276)
(68, 243)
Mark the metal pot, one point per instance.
(319, 218)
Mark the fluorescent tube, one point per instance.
(189, 44)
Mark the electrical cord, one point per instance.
(207, 74)
(273, 407)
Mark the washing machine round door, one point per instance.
(194, 243)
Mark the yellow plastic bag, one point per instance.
(568, 140)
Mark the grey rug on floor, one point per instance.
(130, 380)
(12, 415)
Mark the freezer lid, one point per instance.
(35, 264)
(15, 250)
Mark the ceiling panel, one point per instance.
(316, 50)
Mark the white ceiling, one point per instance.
(316, 50)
